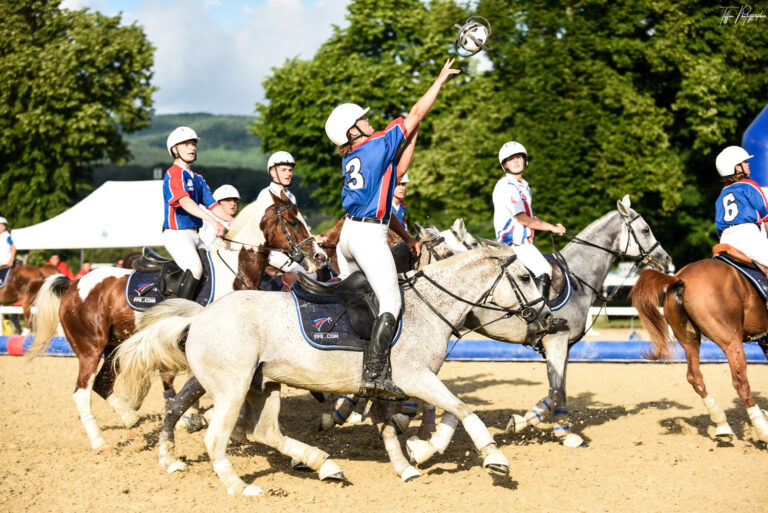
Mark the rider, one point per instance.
(229, 198)
(398, 201)
(741, 209)
(7, 248)
(280, 168)
(183, 189)
(369, 167)
(513, 217)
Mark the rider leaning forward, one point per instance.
(370, 173)
(184, 191)
(513, 217)
(741, 210)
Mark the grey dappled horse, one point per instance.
(254, 333)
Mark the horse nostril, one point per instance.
(320, 257)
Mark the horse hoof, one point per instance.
(131, 419)
(724, 433)
(401, 422)
(409, 474)
(419, 450)
(326, 422)
(572, 440)
(330, 471)
(252, 491)
(496, 463)
(238, 436)
(195, 423)
(515, 424)
(355, 418)
(176, 466)
(298, 465)
(107, 452)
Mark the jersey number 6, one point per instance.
(356, 179)
(731, 208)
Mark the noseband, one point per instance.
(294, 253)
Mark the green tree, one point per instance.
(74, 81)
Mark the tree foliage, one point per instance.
(74, 81)
(610, 98)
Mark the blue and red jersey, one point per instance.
(399, 213)
(179, 183)
(741, 202)
(370, 173)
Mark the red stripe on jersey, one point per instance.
(759, 189)
(380, 133)
(176, 184)
(172, 224)
(384, 192)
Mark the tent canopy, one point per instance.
(116, 215)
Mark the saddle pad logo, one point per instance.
(322, 320)
(143, 286)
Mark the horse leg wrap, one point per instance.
(310, 456)
(444, 433)
(541, 410)
(479, 434)
(759, 422)
(121, 406)
(715, 412)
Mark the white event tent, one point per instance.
(116, 215)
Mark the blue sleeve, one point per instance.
(10, 241)
(395, 134)
(206, 195)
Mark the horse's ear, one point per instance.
(624, 205)
(459, 227)
(420, 232)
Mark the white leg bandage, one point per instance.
(311, 456)
(477, 431)
(715, 412)
(444, 432)
(759, 422)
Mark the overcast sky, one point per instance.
(212, 55)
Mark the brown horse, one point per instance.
(96, 317)
(400, 253)
(712, 298)
(23, 285)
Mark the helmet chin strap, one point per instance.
(178, 156)
(278, 182)
(360, 133)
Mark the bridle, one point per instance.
(526, 310)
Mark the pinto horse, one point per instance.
(23, 285)
(96, 317)
(712, 298)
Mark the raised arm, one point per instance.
(406, 154)
(421, 107)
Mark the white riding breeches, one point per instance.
(749, 239)
(532, 259)
(182, 245)
(363, 246)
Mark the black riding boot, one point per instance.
(376, 372)
(543, 283)
(188, 286)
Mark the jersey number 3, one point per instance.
(731, 208)
(356, 179)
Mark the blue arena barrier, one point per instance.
(481, 350)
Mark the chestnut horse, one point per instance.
(96, 317)
(712, 298)
(23, 284)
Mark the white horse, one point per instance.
(257, 333)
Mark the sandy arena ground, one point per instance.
(651, 449)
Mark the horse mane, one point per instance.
(252, 213)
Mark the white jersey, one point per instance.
(276, 258)
(5, 247)
(511, 197)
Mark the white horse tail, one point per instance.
(154, 346)
(45, 308)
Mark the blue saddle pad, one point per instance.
(753, 274)
(141, 288)
(4, 275)
(320, 331)
(562, 298)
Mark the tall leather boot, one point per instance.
(188, 286)
(376, 373)
(543, 283)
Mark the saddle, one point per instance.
(757, 274)
(561, 283)
(354, 293)
(156, 278)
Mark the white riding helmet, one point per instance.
(280, 157)
(729, 158)
(179, 135)
(226, 191)
(341, 120)
(511, 148)
(404, 179)
(4, 221)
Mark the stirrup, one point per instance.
(382, 388)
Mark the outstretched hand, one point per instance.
(448, 71)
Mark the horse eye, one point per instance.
(526, 278)
(646, 231)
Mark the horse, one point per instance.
(707, 297)
(258, 340)
(23, 285)
(96, 317)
